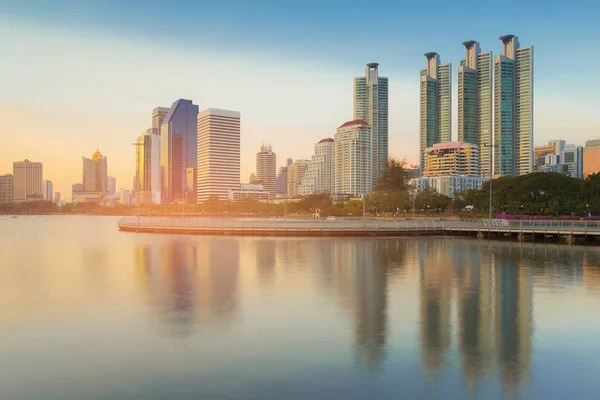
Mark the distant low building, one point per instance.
(296, 172)
(125, 197)
(86, 197)
(560, 157)
(250, 191)
(111, 184)
(448, 185)
(6, 188)
(48, 190)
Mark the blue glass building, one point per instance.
(178, 150)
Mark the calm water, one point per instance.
(87, 312)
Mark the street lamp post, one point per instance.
(491, 176)
(364, 196)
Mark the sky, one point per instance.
(77, 75)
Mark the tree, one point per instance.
(392, 191)
(430, 200)
(394, 177)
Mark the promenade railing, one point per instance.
(243, 225)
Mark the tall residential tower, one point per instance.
(371, 105)
(475, 90)
(266, 168)
(513, 109)
(351, 159)
(435, 104)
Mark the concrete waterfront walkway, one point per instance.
(523, 230)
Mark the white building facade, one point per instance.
(318, 175)
(48, 190)
(448, 185)
(218, 169)
(352, 159)
(371, 105)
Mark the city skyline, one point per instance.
(562, 108)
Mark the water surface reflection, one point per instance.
(148, 316)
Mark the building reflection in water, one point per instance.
(474, 297)
(435, 280)
(474, 309)
(489, 292)
(360, 269)
(265, 259)
(189, 283)
(513, 315)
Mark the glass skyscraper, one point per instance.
(371, 105)
(513, 109)
(178, 149)
(435, 104)
(475, 101)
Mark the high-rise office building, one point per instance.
(111, 186)
(475, 90)
(266, 168)
(95, 173)
(147, 183)
(48, 190)
(28, 178)
(178, 149)
(371, 105)
(572, 160)
(57, 197)
(218, 153)
(296, 172)
(351, 159)
(317, 178)
(6, 188)
(513, 109)
(158, 118)
(435, 104)
(591, 157)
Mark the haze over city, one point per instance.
(77, 76)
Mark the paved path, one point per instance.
(352, 227)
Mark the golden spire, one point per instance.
(97, 155)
